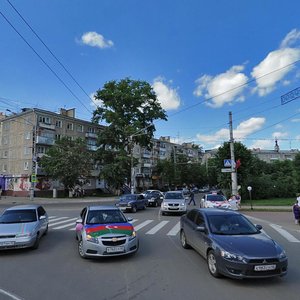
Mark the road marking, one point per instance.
(61, 222)
(174, 230)
(284, 233)
(133, 221)
(57, 219)
(12, 296)
(51, 217)
(145, 223)
(157, 227)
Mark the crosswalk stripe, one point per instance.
(157, 227)
(65, 226)
(133, 221)
(174, 230)
(284, 233)
(63, 221)
(145, 223)
(51, 217)
(57, 219)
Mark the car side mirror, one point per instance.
(42, 217)
(129, 219)
(258, 227)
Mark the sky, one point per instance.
(204, 59)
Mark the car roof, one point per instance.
(174, 192)
(103, 207)
(25, 206)
(217, 211)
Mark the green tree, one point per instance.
(67, 161)
(128, 109)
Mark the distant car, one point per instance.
(132, 202)
(105, 231)
(232, 245)
(22, 226)
(155, 198)
(147, 192)
(174, 202)
(214, 200)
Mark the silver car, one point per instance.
(105, 231)
(22, 226)
(174, 202)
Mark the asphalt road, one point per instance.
(161, 269)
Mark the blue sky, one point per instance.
(203, 59)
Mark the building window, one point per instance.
(44, 119)
(70, 126)
(27, 135)
(4, 168)
(58, 123)
(92, 130)
(5, 154)
(58, 137)
(27, 151)
(26, 165)
(41, 149)
(80, 128)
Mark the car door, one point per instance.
(141, 201)
(189, 226)
(200, 238)
(42, 219)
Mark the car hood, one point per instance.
(179, 201)
(16, 228)
(256, 245)
(127, 200)
(111, 229)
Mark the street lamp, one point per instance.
(34, 162)
(249, 188)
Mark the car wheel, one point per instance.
(46, 231)
(36, 243)
(133, 209)
(156, 204)
(80, 249)
(183, 241)
(212, 264)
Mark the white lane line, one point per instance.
(145, 223)
(157, 227)
(57, 219)
(12, 296)
(284, 233)
(61, 222)
(65, 226)
(174, 230)
(51, 217)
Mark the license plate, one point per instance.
(122, 208)
(7, 243)
(265, 268)
(115, 249)
(151, 200)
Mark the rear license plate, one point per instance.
(115, 249)
(7, 243)
(265, 268)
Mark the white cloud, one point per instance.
(95, 39)
(244, 129)
(223, 88)
(95, 102)
(296, 120)
(291, 38)
(167, 96)
(280, 63)
(278, 135)
(262, 144)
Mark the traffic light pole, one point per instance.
(234, 190)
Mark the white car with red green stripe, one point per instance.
(105, 231)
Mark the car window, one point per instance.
(105, 216)
(231, 225)
(128, 197)
(174, 196)
(19, 216)
(199, 219)
(41, 211)
(215, 198)
(191, 215)
(83, 213)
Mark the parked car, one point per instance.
(105, 231)
(155, 198)
(147, 192)
(22, 226)
(232, 245)
(214, 200)
(132, 202)
(174, 202)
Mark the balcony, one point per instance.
(92, 148)
(44, 140)
(46, 125)
(91, 135)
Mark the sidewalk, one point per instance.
(38, 200)
(265, 208)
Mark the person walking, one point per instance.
(192, 198)
(296, 211)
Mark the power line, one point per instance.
(51, 52)
(45, 63)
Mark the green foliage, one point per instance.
(128, 109)
(67, 161)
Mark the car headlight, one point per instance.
(129, 204)
(282, 254)
(22, 235)
(133, 235)
(231, 256)
(182, 204)
(91, 239)
(165, 204)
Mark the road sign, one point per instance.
(227, 162)
(227, 170)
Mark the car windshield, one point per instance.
(174, 196)
(128, 197)
(231, 225)
(105, 217)
(215, 198)
(18, 216)
(152, 194)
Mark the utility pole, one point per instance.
(233, 167)
(132, 179)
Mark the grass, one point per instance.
(271, 202)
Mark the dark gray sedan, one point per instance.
(232, 245)
(22, 226)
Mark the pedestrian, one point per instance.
(239, 199)
(192, 198)
(233, 202)
(296, 211)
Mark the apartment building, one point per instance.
(26, 136)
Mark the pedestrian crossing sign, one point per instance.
(227, 162)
